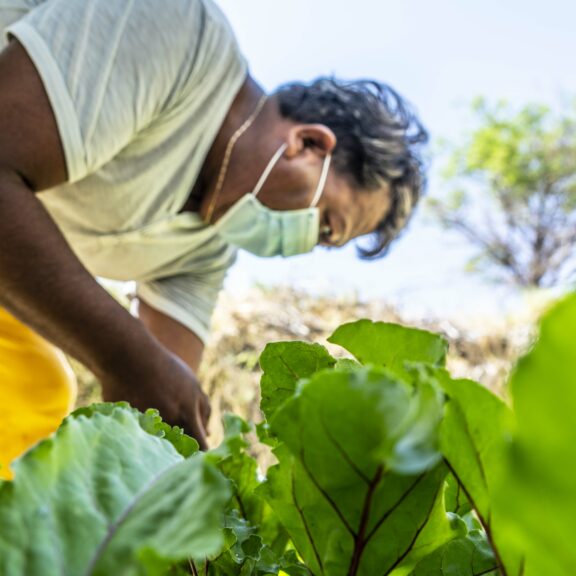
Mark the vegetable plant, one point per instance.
(386, 465)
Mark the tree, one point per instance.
(514, 195)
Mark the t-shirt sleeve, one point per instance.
(188, 298)
(109, 68)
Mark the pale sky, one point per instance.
(439, 55)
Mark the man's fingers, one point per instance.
(197, 431)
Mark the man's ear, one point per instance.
(306, 138)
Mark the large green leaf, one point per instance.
(103, 496)
(474, 437)
(337, 487)
(538, 492)
(390, 345)
(284, 364)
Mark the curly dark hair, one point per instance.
(378, 141)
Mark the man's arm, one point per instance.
(44, 284)
(173, 335)
(180, 341)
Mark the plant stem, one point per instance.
(360, 537)
(193, 567)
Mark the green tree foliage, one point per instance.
(514, 195)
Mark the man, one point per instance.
(135, 145)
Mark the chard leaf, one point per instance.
(337, 487)
(284, 364)
(390, 345)
(99, 498)
(455, 497)
(474, 437)
(538, 491)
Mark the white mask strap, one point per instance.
(274, 161)
(322, 182)
(269, 168)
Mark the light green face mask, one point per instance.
(256, 228)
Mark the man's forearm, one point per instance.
(44, 284)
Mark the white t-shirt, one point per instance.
(139, 89)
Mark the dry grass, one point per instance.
(230, 372)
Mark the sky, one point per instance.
(439, 55)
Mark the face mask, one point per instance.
(258, 229)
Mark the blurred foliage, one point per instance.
(537, 495)
(513, 193)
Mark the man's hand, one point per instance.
(187, 347)
(166, 384)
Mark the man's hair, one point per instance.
(378, 142)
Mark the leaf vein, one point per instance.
(304, 521)
(325, 494)
(389, 512)
(113, 528)
(344, 454)
(417, 533)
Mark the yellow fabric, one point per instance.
(37, 389)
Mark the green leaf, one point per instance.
(247, 555)
(346, 365)
(473, 449)
(241, 470)
(243, 548)
(150, 421)
(538, 491)
(100, 496)
(470, 555)
(474, 437)
(390, 345)
(456, 499)
(336, 489)
(284, 364)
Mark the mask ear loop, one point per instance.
(322, 181)
(274, 160)
(269, 169)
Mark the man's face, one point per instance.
(347, 212)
